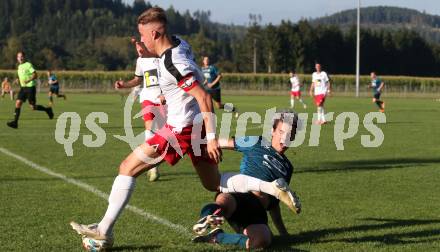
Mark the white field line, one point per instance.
(146, 215)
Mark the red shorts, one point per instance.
(319, 100)
(173, 146)
(295, 93)
(150, 108)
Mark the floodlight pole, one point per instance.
(358, 42)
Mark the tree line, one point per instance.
(94, 35)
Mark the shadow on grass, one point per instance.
(391, 236)
(365, 165)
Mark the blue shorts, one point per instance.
(55, 89)
(376, 95)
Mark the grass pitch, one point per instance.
(358, 199)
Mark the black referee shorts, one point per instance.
(27, 93)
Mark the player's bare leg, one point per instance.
(259, 235)
(153, 173)
(292, 101)
(133, 166)
(302, 102)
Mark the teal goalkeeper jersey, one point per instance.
(210, 73)
(261, 160)
(375, 84)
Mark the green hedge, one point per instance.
(243, 81)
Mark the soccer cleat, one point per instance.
(286, 195)
(153, 174)
(12, 124)
(90, 231)
(49, 112)
(209, 221)
(208, 238)
(93, 245)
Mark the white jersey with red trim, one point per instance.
(146, 68)
(320, 82)
(296, 85)
(178, 73)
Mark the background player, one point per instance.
(27, 77)
(246, 212)
(377, 85)
(318, 90)
(295, 91)
(7, 88)
(150, 95)
(212, 83)
(54, 87)
(179, 80)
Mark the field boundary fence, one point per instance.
(245, 84)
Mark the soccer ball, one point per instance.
(93, 245)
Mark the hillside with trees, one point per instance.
(384, 17)
(94, 35)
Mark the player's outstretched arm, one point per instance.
(219, 76)
(33, 77)
(275, 214)
(381, 86)
(136, 81)
(226, 143)
(312, 86)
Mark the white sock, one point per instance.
(122, 188)
(322, 114)
(300, 100)
(148, 134)
(319, 113)
(232, 182)
(292, 102)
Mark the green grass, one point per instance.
(359, 199)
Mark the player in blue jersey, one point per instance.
(212, 83)
(246, 212)
(377, 85)
(54, 87)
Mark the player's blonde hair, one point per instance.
(154, 14)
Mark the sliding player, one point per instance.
(246, 212)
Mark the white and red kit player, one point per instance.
(150, 96)
(295, 91)
(319, 89)
(179, 79)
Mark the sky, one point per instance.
(273, 11)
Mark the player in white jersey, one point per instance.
(180, 81)
(146, 85)
(295, 91)
(319, 89)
